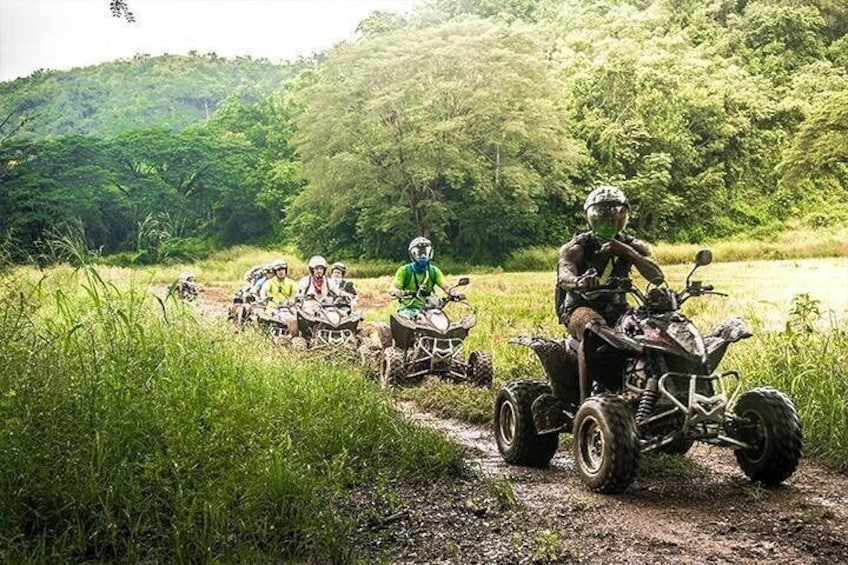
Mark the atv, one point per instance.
(655, 389)
(273, 317)
(328, 324)
(429, 343)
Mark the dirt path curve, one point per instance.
(697, 509)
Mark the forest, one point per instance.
(481, 124)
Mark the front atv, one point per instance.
(654, 389)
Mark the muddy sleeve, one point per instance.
(568, 268)
(645, 263)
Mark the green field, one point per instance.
(140, 430)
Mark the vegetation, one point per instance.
(126, 437)
(479, 124)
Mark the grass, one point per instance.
(134, 432)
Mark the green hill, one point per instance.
(170, 91)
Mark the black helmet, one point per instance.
(607, 211)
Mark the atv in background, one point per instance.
(430, 343)
(650, 385)
(329, 324)
(274, 317)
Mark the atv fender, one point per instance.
(559, 363)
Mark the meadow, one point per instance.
(137, 428)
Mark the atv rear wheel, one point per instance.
(515, 433)
(481, 369)
(770, 423)
(392, 367)
(606, 445)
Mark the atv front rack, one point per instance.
(439, 354)
(704, 417)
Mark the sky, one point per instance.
(62, 34)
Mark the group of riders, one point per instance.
(587, 261)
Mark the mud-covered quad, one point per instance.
(430, 343)
(273, 317)
(329, 324)
(650, 385)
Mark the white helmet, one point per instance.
(420, 247)
(317, 261)
(186, 276)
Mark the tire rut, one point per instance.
(697, 508)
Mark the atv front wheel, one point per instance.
(481, 369)
(392, 367)
(383, 335)
(515, 433)
(606, 445)
(770, 423)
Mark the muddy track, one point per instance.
(694, 509)
(680, 510)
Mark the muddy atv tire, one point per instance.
(392, 367)
(299, 343)
(516, 436)
(383, 335)
(481, 369)
(770, 423)
(606, 444)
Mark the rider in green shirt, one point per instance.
(418, 275)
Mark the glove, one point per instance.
(588, 282)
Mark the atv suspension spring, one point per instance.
(646, 403)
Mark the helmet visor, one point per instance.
(607, 220)
(420, 251)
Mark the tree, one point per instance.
(455, 132)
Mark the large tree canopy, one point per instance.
(457, 132)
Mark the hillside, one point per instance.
(170, 91)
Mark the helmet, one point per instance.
(420, 247)
(268, 269)
(279, 264)
(317, 261)
(607, 211)
(186, 276)
(339, 266)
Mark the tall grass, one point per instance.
(132, 431)
(807, 363)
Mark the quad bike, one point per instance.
(244, 308)
(655, 389)
(274, 318)
(328, 324)
(431, 344)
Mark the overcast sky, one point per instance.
(62, 34)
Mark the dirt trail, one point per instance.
(691, 510)
(695, 509)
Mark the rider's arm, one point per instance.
(396, 288)
(263, 292)
(568, 268)
(639, 254)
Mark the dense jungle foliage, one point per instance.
(479, 123)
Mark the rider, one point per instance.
(419, 277)
(315, 284)
(337, 279)
(279, 290)
(589, 260)
(186, 281)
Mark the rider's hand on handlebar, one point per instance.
(588, 282)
